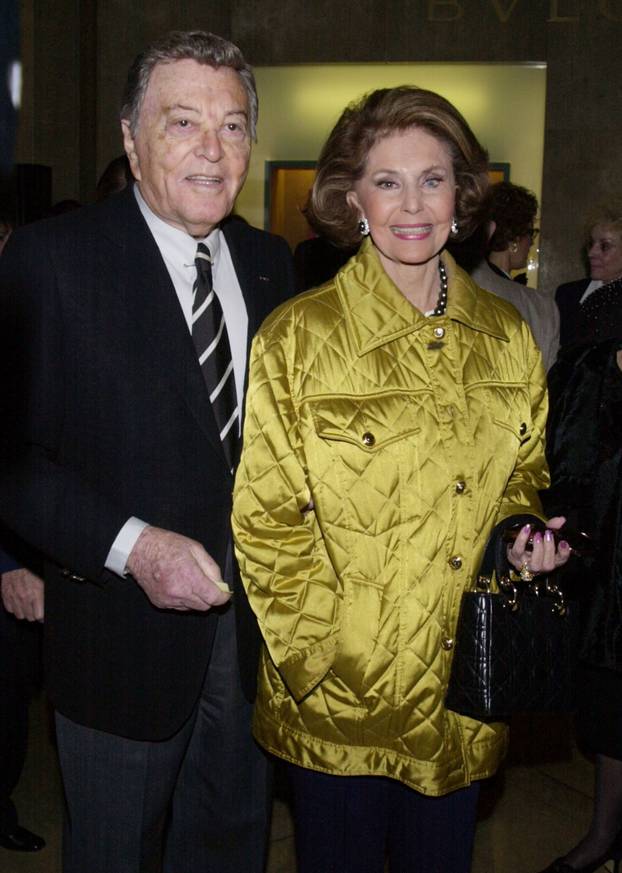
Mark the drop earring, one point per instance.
(364, 227)
(454, 226)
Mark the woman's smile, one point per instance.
(411, 231)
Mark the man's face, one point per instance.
(191, 148)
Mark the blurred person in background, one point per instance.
(316, 260)
(21, 610)
(584, 448)
(116, 176)
(21, 592)
(500, 246)
(513, 210)
(21, 604)
(604, 252)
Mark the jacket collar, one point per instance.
(378, 313)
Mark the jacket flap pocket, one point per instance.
(370, 421)
(520, 429)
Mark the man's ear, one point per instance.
(130, 148)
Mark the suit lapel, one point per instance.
(153, 311)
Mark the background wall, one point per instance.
(76, 53)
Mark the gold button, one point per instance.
(460, 487)
(439, 332)
(523, 428)
(456, 562)
(447, 643)
(368, 439)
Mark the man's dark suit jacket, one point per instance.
(111, 420)
(567, 298)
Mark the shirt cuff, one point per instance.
(124, 543)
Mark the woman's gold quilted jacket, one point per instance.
(380, 448)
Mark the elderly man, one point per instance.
(127, 326)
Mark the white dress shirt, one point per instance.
(178, 250)
(593, 286)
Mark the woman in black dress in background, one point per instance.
(585, 455)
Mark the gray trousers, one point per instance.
(197, 803)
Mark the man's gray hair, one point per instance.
(195, 45)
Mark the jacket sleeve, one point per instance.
(552, 318)
(8, 563)
(291, 584)
(530, 474)
(41, 500)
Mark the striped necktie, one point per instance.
(211, 341)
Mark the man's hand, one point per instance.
(176, 572)
(22, 594)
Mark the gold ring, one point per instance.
(525, 573)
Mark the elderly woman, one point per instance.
(395, 415)
(604, 252)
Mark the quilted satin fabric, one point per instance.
(380, 448)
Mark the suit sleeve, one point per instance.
(289, 579)
(8, 563)
(42, 499)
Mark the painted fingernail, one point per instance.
(548, 536)
(564, 545)
(537, 537)
(526, 529)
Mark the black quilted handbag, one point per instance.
(516, 648)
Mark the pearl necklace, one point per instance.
(441, 303)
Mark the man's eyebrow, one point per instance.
(176, 106)
(181, 106)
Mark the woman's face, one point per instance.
(407, 194)
(605, 253)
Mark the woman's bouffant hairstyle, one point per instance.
(370, 119)
(194, 45)
(513, 210)
(609, 214)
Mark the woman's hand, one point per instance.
(545, 556)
